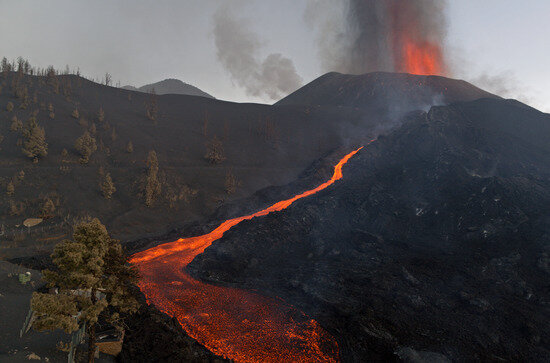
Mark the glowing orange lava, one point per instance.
(416, 50)
(421, 58)
(237, 324)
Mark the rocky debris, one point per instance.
(31, 222)
(154, 337)
(434, 245)
(409, 355)
(33, 356)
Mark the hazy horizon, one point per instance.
(141, 42)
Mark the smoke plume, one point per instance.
(359, 36)
(238, 50)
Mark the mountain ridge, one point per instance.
(374, 90)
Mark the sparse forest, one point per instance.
(60, 128)
(348, 184)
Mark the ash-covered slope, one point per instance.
(263, 145)
(382, 91)
(434, 246)
(170, 86)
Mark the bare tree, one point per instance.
(214, 151)
(152, 106)
(108, 79)
(153, 187)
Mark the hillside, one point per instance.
(170, 86)
(387, 260)
(434, 246)
(259, 145)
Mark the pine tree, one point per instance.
(16, 124)
(5, 65)
(48, 208)
(107, 186)
(22, 93)
(214, 151)
(86, 146)
(10, 189)
(16, 208)
(51, 110)
(35, 145)
(108, 79)
(153, 188)
(92, 280)
(152, 107)
(101, 115)
(231, 182)
(75, 114)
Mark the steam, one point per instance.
(503, 84)
(238, 50)
(359, 36)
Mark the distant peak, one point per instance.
(171, 86)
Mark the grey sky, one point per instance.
(501, 44)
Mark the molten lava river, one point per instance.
(237, 324)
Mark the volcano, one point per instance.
(432, 241)
(434, 247)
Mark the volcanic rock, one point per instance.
(154, 337)
(433, 247)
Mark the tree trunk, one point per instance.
(91, 344)
(91, 332)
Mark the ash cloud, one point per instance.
(238, 49)
(360, 36)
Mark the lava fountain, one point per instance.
(391, 35)
(237, 324)
(416, 48)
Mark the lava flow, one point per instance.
(233, 323)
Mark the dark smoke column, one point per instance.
(387, 35)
